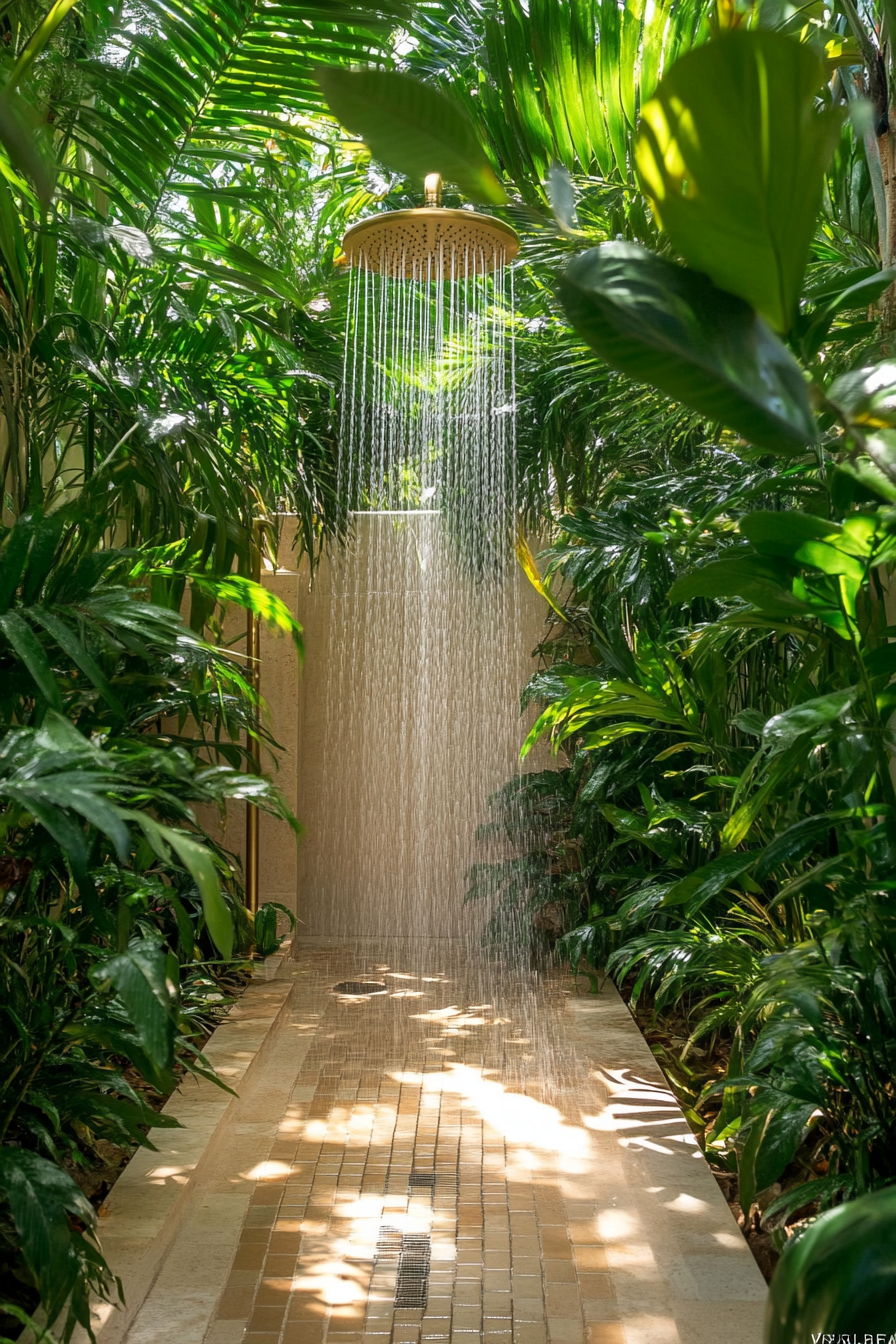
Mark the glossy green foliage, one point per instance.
(838, 1277)
(731, 153)
(817, 324)
(42, 1201)
(672, 328)
(82, 638)
(734, 812)
(799, 565)
(557, 81)
(116, 906)
(264, 927)
(411, 127)
(97, 977)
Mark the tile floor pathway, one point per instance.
(425, 1183)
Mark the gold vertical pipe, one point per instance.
(253, 661)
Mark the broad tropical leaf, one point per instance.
(40, 1197)
(671, 327)
(731, 154)
(198, 861)
(412, 128)
(811, 716)
(698, 887)
(140, 976)
(839, 1277)
(740, 574)
(773, 1140)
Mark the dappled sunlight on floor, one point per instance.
(639, 1105)
(522, 1121)
(430, 1182)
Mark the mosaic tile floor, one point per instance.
(425, 1183)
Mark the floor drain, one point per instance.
(412, 1252)
(421, 1180)
(412, 1280)
(360, 987)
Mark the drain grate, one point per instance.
(411, 1251)
(412, 1280)
(360, 987)
(420, 1179)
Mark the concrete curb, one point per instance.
(155, 1192)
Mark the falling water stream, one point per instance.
(425, 664)
(428, 412)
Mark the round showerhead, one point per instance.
(418, 244)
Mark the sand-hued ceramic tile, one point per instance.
(429, 1166)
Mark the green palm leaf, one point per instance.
(209, 81)
(559, 80)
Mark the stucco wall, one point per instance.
(401, 723)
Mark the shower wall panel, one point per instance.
(403, 721)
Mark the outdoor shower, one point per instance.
(424, 646)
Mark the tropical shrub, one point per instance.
(118, 914)
(739, 726)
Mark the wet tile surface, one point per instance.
(459, 1164)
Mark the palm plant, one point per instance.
(158, 330)
(558, 83)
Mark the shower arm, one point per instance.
(432, 186)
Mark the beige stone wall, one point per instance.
(402, 721)
(283, 686)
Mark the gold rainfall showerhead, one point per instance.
(417, 244)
